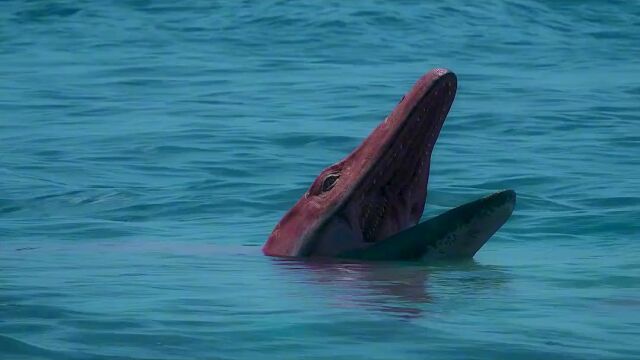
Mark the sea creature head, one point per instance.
(377, 190)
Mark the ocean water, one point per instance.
(147, 148)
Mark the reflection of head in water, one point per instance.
(391, 287)
(388, 287)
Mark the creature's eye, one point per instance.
(329, 182)
(325, 182)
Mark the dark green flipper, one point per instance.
(457, 233)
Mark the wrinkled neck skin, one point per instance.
(379, 189)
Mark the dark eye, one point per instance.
(329, 182)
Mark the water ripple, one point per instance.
(149, 147)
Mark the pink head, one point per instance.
(377, 190)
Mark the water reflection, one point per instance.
(399, 288)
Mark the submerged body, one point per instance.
(379, 190)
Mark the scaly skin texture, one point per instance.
(379, 189)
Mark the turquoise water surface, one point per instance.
(147, 148)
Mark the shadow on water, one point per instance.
(403, 289)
